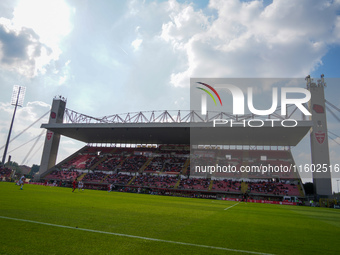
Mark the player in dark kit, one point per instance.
(74, 183)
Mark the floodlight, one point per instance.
(18, 95)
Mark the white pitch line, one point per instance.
(231, 206)
(218, 203)
(137, 237)
(221, 203)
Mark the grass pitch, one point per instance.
(98, 222)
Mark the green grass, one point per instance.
(274, 229)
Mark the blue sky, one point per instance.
(110, 57)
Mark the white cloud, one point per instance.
(184, 23)
(65, 73)
(136, 44)
(26, 130)
(245, 39)
(54, 14)
(30, 40)
(334, 142)
(139, 55)
(337, 29)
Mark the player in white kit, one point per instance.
(21, 181)
(80, 185)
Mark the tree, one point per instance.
(34, 169)
(14, 166)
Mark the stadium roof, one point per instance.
(182, 133)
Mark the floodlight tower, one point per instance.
(18, 96)
(319, 138)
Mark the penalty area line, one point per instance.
(136, 237)
(231, 206)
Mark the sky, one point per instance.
(109, 57)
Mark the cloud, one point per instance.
(30, 38)
(184, 23)
(27, 115)
(136, 44)
(20, 50)
(173, 42)
(27, 135)
(337, 29)
(65, 72)
(125, 56)
(26, 128)
(246, 39)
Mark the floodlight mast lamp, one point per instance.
(18, 96)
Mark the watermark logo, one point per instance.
(239, 99)
(204, 97)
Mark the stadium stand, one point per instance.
(5, 172)
(155, 181)
(133, 163)
(110, 163)
(63, 175)
(194, 184)
(119, 178)
(156, 165)
(174, 165)
(168, 168)
(94, 177)
(226, 185)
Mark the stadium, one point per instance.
(163, 137)
(156, 183)
(159, 153)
